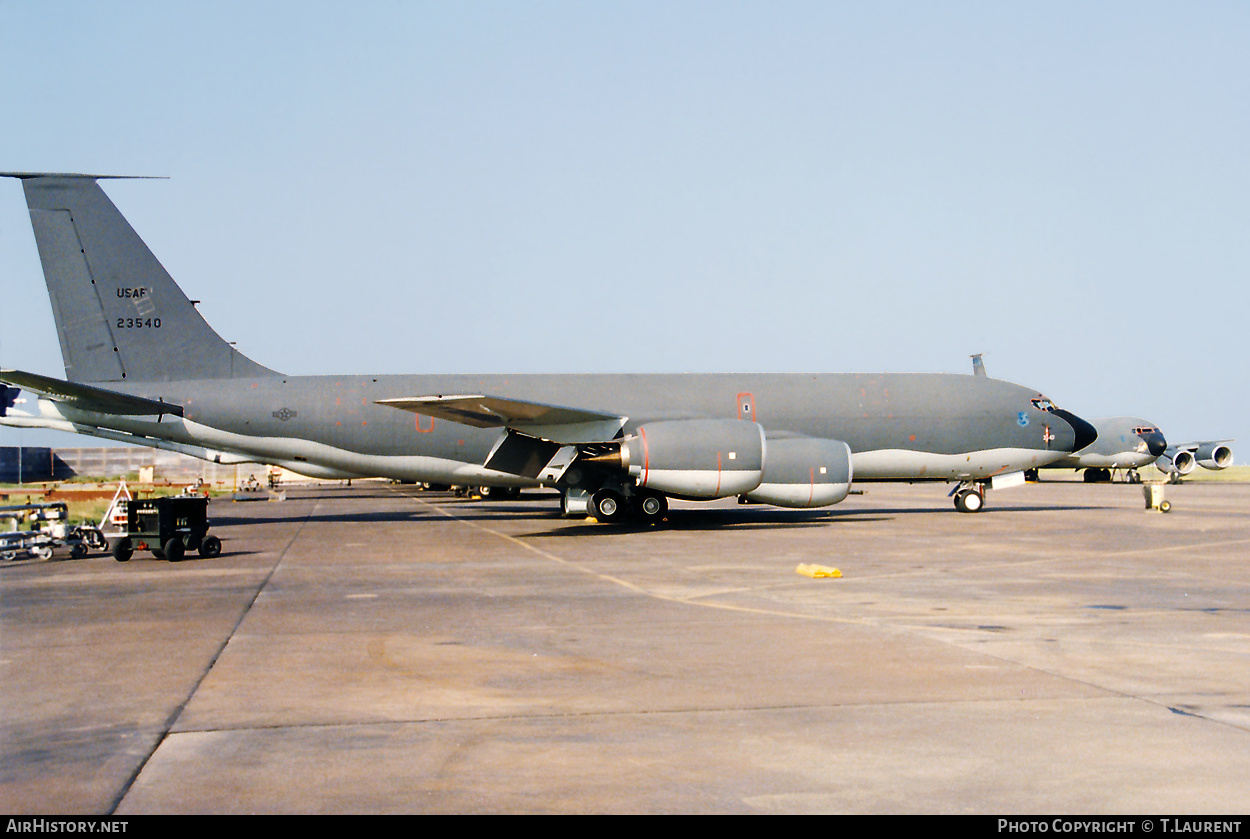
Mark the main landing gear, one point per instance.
(1097, 475)
(610, 505)
(1101, 475)
(969, 498)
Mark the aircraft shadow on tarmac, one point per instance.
(744, 517)
(221, 519)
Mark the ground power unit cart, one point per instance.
(168, 527)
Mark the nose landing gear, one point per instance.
(969, 498)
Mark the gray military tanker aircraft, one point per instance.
(1127, 443)
(142, 366)
(1130, 443)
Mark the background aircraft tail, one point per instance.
(119, 314)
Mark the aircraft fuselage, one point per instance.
(898, 426)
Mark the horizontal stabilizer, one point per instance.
(548, 422)
(87, 397)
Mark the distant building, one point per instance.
(46, 464)
(29, 464)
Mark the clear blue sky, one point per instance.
(653, 187)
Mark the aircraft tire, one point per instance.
(123, 550)
(651, 506)
(175, 550)
(1132, 476)
(969, 501)
(78, 551)
(607, 505)
(210, 547)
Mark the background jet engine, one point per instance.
(696, 458)
(1180, 461)
(1214, 456)
(804, 472)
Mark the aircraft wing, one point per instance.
(88, 397)
(548, 422)
(1190, 447)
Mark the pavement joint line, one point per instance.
(167, 727)
(671, 712)
(876, 624)
(634, 587)
(1163, 549)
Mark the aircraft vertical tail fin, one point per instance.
(119, 314)
(978, 366)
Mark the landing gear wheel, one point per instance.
(123, 550)
(210, 547)
(969, 501)
(607, 505)
(1132, 476)
(652, 506)
(175, 550)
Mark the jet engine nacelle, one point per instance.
(1180, 461)
(804, 472)
(714, 458)
(1214, 456)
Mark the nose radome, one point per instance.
(1156, 443)
(1084, 434)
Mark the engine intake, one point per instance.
(1179, 461)
(1214, 456)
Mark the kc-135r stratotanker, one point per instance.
(142, 366)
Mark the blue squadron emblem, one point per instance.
(1022, 419)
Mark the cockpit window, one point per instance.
(1145, 429)
(1043, 404)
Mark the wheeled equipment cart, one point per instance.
(168, 527)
